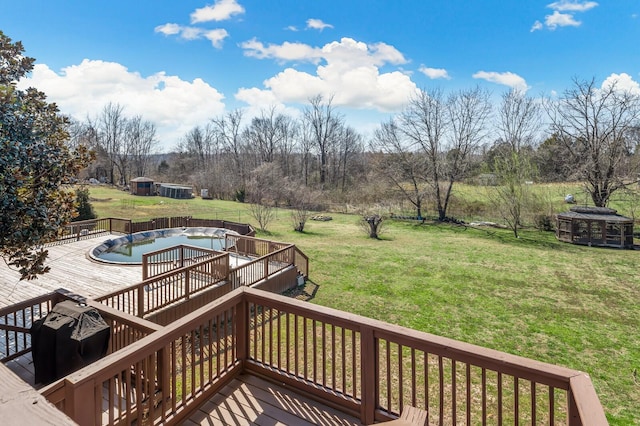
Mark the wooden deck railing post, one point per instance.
(145, 265)
(140, 301)
(187, 283)
(368, 375)
(80, 402)
(242, 331)
(584, 404)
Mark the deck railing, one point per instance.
(301, 261)
(83, 229)
(160, 378)
(169, 288)
(168, 259)
(368, 368)
(262, 268)
(16, 321)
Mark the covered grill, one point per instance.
(70, 337)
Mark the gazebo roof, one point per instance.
(595, 213)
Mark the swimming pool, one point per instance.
(130, 248)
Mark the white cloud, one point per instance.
(216, 36)
(623, 82)
(317, 24)
(168, 29)
(434, 73)
(174, 105)
(285, 52)
(572, 6)
(219, 11)
(347, 69)
(291, 28)
(505, 78)
(560, 20)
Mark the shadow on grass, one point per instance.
(304, 292)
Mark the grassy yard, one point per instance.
(569, 305)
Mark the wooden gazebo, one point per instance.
(595, 226)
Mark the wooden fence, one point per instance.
(75, 231)
(365, 367)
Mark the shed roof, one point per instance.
(175, 186)
(142, 179)
(595, 213)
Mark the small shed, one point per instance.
(172, 190)
(595, 226)
(142, 186)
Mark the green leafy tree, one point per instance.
(84, 209)
(35, 161)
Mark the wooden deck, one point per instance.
(71, 269)
(250, 400)
(247, 400)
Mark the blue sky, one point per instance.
(179, 63)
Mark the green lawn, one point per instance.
(569, 305)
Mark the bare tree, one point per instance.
(227, 132)
(324, 125)
(399, 164)
(425, 122)
(595, 126)
(141, 140)
(349, 146)
(264, 190)
(201, 143)
(301, 200)
(110, 127)
(265, 134)
(518, 125)
(468, 112)
(447, 133)
(512, 195)
(306, 153)
(372, 225)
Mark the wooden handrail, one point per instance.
(171, 258)
(261, 325)
(139, 299)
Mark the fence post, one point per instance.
(368, 375)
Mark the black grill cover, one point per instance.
(70, 337)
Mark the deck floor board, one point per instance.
(250, 400)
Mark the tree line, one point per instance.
(587, 134)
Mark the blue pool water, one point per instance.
(130, 249)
